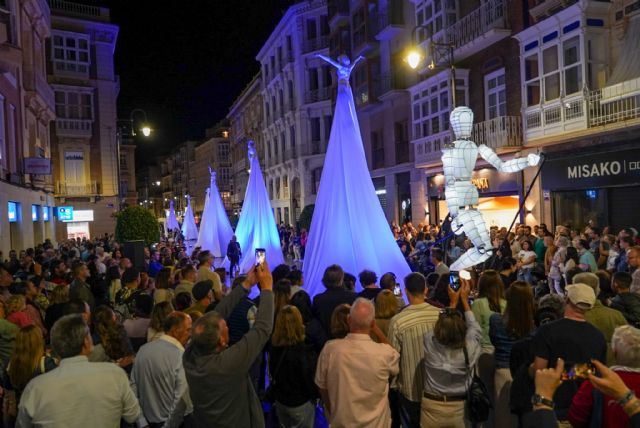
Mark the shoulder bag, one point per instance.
(478, 399)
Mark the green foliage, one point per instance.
(305, 217)
(134, 223)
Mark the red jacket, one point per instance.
(612, 414)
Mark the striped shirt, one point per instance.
(406, 334)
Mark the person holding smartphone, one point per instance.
(447, 376)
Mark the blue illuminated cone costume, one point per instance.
(349, 227)
(189, 228)
(172, 221)
(215, 229)
(257, 227)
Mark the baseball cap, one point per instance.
(201, 289)
(581, 295)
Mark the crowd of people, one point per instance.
(548, 325)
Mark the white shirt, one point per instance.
(160, 384)
(524, 255)
(78, 393)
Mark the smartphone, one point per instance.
(454, 281)
(396, 290)
(578, 371)
(260, 256)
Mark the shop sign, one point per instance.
(37, 166)
(592, 171)
(65, 213)
(83, 215)
(482, 183)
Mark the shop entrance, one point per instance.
(497, 210)
(78, 229)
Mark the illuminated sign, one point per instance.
(45, 213)
(12, 212)
(482, 183)
(83, 215)
(35, 212)
(65, 213)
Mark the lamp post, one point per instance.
(146, 132)
(437, 52)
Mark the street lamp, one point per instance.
(145, 129)
(436, 52)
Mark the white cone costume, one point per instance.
(458, 162)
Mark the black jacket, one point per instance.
(294, 379)
(629, 305)
(325, 303)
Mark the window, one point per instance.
(532, 79)
(13, 211)
(495, 94)
(377, 150)
(74, 105)
(292, 140)
(324, 25)
(315, 135)
(401, 142)
(277, 187)
(311, 29)
(285, 186)
(316, 174)
(327, 128)
(358, 29)
(551, 73)
(435, 16)
(270, 189)
(70, 52)
(572, 66)
(313, 79)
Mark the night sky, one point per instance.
(185, 62)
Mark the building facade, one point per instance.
(482, 73)
(580, 67)
(26, 111)
(213, 152)
(246, 123)
(380, 32)
(84, 139)
(296, 95)
(177, 178)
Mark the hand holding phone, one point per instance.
(260, 256)
(454, 281)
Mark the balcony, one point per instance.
(317, 95)
(315, 147)
(74, 128)
(316, 44)
(338, 12)
(478, 30)
(614, 106)
(390, 23)
(290, 154)
(546, 8)
(402, 152)
(64, 189)
(428, 150)
(78, 10)
(499, 133)
(391, 83)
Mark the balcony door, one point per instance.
(74, 169)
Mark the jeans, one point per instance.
(296, 417)
(524, 274)
(409, 412)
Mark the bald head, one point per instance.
(361, 316)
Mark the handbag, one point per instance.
(270, 393)
(478, 404)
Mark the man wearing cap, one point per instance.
(205, 263)
(571, 338)
(203, 293)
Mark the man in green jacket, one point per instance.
(218, 375)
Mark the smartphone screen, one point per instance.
(260, 256)
(454, 281)
(396, 290)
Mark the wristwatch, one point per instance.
(538, 400)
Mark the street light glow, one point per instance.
(157, 183)
(146, 131)
(413, 58)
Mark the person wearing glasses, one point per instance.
(447, 373)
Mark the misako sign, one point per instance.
(595, 170)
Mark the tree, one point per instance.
(305, 217)
(137, 223)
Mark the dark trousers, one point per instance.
(409, 412)
(233, 261)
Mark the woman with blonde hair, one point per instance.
(339, 327)
(17, 311)
(292, 366)
(386, 307)
(28, 361)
